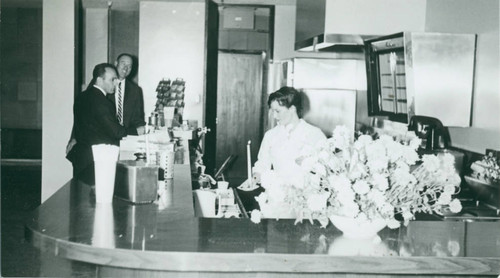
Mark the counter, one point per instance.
(165, 239)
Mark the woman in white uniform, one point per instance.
(282, 151)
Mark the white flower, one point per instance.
(256, 216)
(377, 197)
(361, 187)
(323, 155)
(407, 215)
(341, 138)
(377, 165)
(380, 181)
(262, 198)
(276, 193)
(455, 206)
(410, 156)
(357, 171)
(376, 150)
(319, 169)
(431, 162)
(403, 177)
(455, 179)
(349, 209)
(387, 209)
(415, 143)
(444, 199)
(269, 178)
(393, 223)
(339, 181)
(449, 189)
(448, 161)
(317, 202)
(308, 162)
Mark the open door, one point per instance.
(239, 109)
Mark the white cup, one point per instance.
(105, 158)
(104, 226)
(222, 185)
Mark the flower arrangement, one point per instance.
(368, 179)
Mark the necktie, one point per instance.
(120, 104)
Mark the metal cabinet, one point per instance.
(418, 73)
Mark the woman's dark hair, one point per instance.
(287, 96)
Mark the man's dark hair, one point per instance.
(125, 54)
(99, 71)
(287, 96)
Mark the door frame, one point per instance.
(211, 67)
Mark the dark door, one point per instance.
(239, 110)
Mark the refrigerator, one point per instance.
(330, 89)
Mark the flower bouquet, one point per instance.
(371, 180)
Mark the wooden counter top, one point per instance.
(150, 239)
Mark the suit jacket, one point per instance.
(133, 107)
(95, 123)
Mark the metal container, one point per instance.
(136, 182)
(484, 191)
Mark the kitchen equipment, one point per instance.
(136, 181)
(329, 87)
(472, 210)
(421, 73)
(432, 132)
(487, 192)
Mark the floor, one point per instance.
(20, 195)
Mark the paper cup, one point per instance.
(223, 185)
(104, 225)
(105, 158)
(165, 159)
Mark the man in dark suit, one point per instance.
(131, 98)
(95, 121)
(128, 97)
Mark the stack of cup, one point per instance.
(223, 185)
(104, 226)
(105, 158)
(165, 159)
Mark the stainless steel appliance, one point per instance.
(330, 87)
(420, 73)
(136, 181)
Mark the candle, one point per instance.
(249, 163)
(147, 145)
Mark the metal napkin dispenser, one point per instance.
(136, 181)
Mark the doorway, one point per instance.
(239, 48)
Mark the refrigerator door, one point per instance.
(325, 73)
(327, 109)
(330, 87)
(441, 71)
